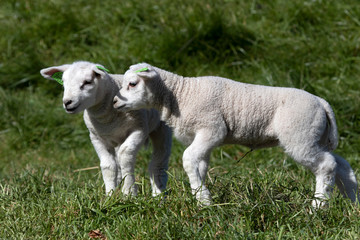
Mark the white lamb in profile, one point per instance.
(116, 136)
(205, 112)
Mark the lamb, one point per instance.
(205, 112)
(116, 136)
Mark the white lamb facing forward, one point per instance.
(205, 112)
(116, 136)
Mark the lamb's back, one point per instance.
(246, 110)
(250, 111)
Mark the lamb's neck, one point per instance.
(170, 86)
(103, 111)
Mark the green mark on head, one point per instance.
(103, 69)
(58, 77)
(142, 70)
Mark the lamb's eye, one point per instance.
(132, 84)
(85, 83)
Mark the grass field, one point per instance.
(44, 193)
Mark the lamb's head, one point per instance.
(138, 88)
(81, 84)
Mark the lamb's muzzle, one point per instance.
(117, 104)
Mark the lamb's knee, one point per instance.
(127, 150)
(108, 166)
(127, 153)
(109, 172)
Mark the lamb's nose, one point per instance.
(115, 100)
(67, 102)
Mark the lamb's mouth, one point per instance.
(71, 110)
(121, 107)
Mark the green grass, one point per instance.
(312, 45)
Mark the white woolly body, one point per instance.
(205, 112)
(246, 113)
(116, 136)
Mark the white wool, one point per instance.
(205, 112)
(116, 136)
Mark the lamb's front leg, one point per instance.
(195, 162)
(109, 168)
(127, 157)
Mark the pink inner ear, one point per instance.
(51, 71)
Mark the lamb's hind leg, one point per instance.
(195, 161)
(323, 165)
(345, 179)
(325, 171)
(161, 141)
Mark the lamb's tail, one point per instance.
(332, 128)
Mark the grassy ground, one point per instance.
(312, 45)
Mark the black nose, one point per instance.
(115, 101)
(67, 102)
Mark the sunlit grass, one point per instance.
(312, 45)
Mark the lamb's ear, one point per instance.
(49, 72)
(147, 72)
(100, 70)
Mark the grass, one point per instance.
(312, 45)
